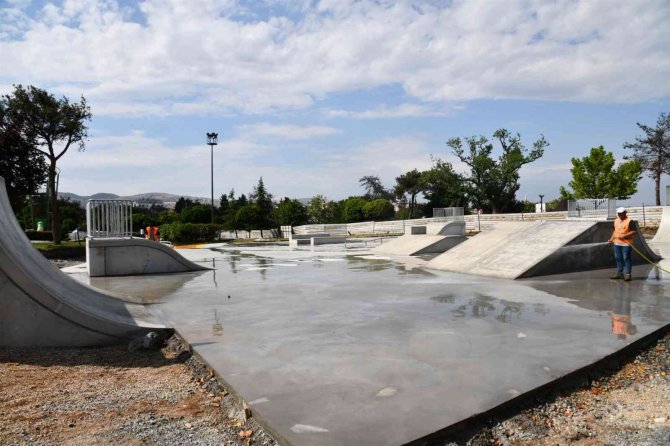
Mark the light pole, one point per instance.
(211, 142)
(541, 205)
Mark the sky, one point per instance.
(312, 95)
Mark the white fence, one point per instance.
(109, 218)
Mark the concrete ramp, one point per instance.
(433, 238)
(134, 256)
(663, 233)
(515, 250)
(41, 306)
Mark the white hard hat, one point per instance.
(620, 210)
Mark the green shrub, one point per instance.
(190, 232)
(40, 235)
(353, 209)
(378, 210)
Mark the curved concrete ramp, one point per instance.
(663, 232)
(41, 306)
(124, 257)
(413, 245)
(515, 250)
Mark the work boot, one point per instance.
(617, 276)
(626, 277)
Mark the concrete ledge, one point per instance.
(124, 257)
(327, 240)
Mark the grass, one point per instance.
(66, 250)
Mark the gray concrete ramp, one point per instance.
(663, 232)
(41, 306)
(133, 256)
(516, 250)
(433, 238)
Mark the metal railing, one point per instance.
(109, 218)
(595, 208)
(449, 213)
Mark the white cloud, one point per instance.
(199, 57)
(400, 111)
(287, 131)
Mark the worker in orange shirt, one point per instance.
(152, 233)
(622, 238)
(622, 326)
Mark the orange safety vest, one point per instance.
(152, 233)
(622, 231)
(620, 324)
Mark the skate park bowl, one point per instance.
(41, 306)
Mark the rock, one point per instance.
(660, 420)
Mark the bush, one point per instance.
(191, 232)
(40, 235)
(352, 209)
(379, 209)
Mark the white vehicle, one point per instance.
(77, 234)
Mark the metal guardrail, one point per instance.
(109, 218)
(604, 208)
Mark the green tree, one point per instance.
(247, 217)
(318, 210)
(263, 201)
(378, 210)
(374, 188)
(492, 184)
(410, 183)
(352, 209)
(183, 203)
(652, 150)
(443, 187)
(23, 168)
(290, 212)
(595, 176)
(197, 213)
(52, 126)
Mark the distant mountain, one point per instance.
(146, 199)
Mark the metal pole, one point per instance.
(212, 168)
(644, 217)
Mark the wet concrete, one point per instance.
(330, 348)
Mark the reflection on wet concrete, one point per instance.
(367, 351)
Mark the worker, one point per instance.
(152, 233)
(622, 239)
(622, 325)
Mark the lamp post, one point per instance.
(541, 203)
(211, 142)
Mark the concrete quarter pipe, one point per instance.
(41, 306)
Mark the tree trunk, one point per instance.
(658, 188)
(53, 200)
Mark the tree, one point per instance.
(319, 210)
(594, 176)
(352, 209)
(182, 204)
(410, 183)
(198, 213)
(247, 217)
(378, 210)
(263, 200)
(652, 150)
(290, 212)
(374, 188)
(443, 187)
(492, 184)
(52, 126)
(22, 167)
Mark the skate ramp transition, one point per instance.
(425, 239)
(42, 307)
(515, 250)
(133, 256)
(663, 232)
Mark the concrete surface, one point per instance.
(41, 306)
(529, 249)
(663, 232)
(336, 349)
(132, 256)
(432, 238)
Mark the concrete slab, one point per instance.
(335, 349)
(663, 232)
(411, 245)
(41, 306)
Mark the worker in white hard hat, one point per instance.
(622, 238)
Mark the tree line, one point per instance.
(37, 129)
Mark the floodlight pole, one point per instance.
(541, 203)
(211, 142)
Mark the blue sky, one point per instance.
(312, 95)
